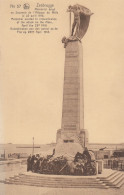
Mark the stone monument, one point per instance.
(71, 156)
(72, 137)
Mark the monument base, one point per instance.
(71, 136)
(68, 150)
(71, 142)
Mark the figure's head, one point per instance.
(75, 7)
(70, 7)
(63, 39)
(85, 149)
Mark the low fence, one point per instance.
(114, 164)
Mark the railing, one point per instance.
(114, 164)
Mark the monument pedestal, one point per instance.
(71, 136)
(72, 127)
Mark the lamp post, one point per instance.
(70, 24)
(33, 147)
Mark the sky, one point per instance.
(32, 71)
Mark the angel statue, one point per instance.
(81, 20)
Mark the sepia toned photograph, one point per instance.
(61, 97)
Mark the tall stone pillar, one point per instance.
(72, 137)
(72, 126)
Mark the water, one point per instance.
(10, 167)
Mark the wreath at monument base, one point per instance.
(83, 164)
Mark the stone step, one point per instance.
(60, 179)
(110, 176)
(113, 174)
(55, 180)
(114, 179)
(62, 182)
(57, 176)
(56, 185)
(117, 177)
(120, 184)
(50, 181)
(119, 180)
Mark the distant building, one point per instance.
(102, 151)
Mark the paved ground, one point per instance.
(30, 190)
